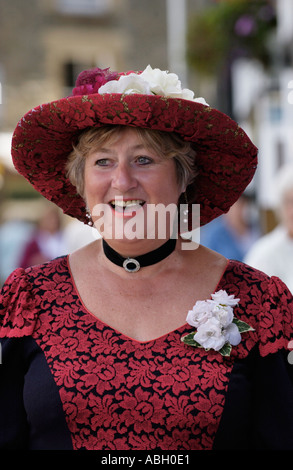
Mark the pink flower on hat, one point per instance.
(89, 81)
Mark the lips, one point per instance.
(126, 206)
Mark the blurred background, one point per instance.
(237, 54)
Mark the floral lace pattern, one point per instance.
(118, 393)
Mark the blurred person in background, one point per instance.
(141, 342)
(15, 233)
(234, 233)
(47, 240)
(273, 253)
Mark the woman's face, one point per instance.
(128, 182)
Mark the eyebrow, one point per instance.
(109, 151)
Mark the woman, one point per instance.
(141, 340)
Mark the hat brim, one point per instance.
(226, 158)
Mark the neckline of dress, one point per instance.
(120, 333)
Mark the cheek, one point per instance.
(164, 191)
(93, 186)
(175, 188)
(169, 184)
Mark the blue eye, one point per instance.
(102, 162)
(142, 160)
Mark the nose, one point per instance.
(123, 178)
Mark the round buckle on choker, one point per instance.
(131, 265)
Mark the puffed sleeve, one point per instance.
(276, 318)
(258, 412)
(17, 306)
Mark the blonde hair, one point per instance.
(166, 145)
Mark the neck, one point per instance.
(132, 264)
(134, 248)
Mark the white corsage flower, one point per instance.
(216, 326)
(210, 335)
(221, 297)
(232, 334)
(150, 82)
(200, 313)
(223, 313)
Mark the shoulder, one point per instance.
(249, 277)
(28, 278)
(265, 303)
(245, 273)
(21, 295)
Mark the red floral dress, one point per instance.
(69, 381)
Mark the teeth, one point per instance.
(121, 203)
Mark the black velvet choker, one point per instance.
(132, 265)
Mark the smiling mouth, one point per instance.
(126, 206)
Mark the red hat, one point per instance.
(226, 159)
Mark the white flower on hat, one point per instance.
(127, 84)
(166, 84)
(216, 326)
(150, 82)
